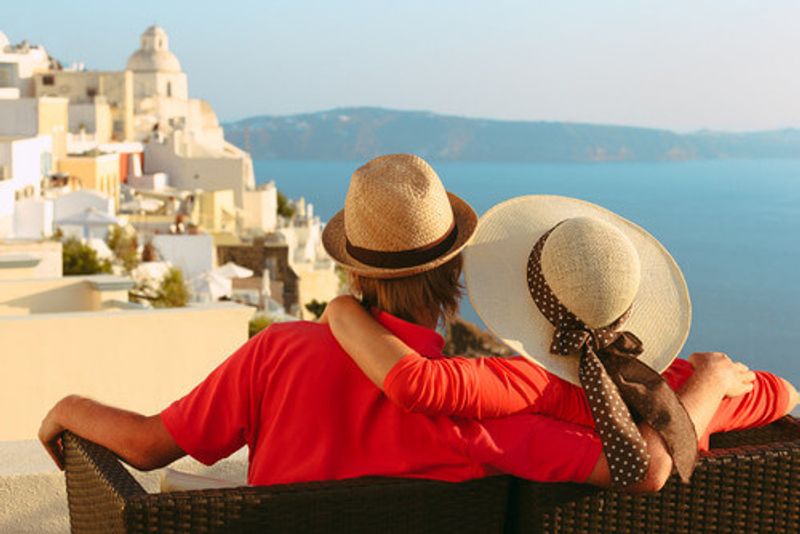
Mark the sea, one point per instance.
(732, 225)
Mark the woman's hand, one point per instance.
(733, 378)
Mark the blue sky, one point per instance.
(680, 64)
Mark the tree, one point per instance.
(285, 208)
(316, 307)
(125, 247)
(172, 291)
(80, 258)
(258, 323)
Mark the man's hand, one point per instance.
(734, 378)
(141, 441)
(50, 434)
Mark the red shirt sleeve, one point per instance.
(212, 421)
(490, 387)
(483, 388)
(766, 402)
(536, 447)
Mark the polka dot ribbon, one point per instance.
(617, 384)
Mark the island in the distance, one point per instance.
(360, 133)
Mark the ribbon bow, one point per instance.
(616, 383)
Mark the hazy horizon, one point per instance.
(484, 118)
(683, 66)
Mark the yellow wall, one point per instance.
(47, 252)
(54, 120)
(217, 211)
(100, 173)
(140, 360)
(322, 285)
(46, 296)
(58, 295)
(117, 87)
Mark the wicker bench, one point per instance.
(750, 482)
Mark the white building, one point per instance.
(160, 87)
(316, 272)
(31, 117)
(33, 218)
(24, 163)
(19, 63)
(192, 254)
(77, 202)
(187, 141)
(192, 165)
(260, 210)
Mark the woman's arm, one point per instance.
(467, 387)
(373, 348)
(494, 387)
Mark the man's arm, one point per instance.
(141, 441)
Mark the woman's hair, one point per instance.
(421, 298)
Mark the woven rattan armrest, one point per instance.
(104, 497)
(748, 482)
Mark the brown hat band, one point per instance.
(404, 258)
(616, 383)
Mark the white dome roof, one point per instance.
(153, 54)
(4, 42)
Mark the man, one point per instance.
(307, 412)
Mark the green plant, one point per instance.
(172, 291)
(258, 323)
(316, 307)
(79, 258)
(91, 153)
(125, 247)
(285, 208)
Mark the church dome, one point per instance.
(153, 54)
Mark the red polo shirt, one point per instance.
(306, 412)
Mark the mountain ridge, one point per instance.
(357, 133)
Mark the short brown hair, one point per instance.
(422, 298)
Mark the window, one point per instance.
(48, 79)
(45, 163)
(91, 92)
(169, 88)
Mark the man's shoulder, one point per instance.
(297, 332)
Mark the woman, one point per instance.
(494, 387)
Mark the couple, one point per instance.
(593, 303)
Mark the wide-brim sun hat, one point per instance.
(496, 276)
(398, 220)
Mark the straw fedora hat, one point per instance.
(596, 263)
(398, 220)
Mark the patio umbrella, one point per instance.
(88, 218)
(232, 270)
(138, 205)
(210, 286)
